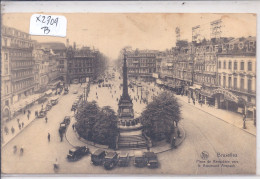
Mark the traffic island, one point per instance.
(74, 139)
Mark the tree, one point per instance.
(160, 115)
(97, 125)
(88, 114)
(105, 129)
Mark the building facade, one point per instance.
(237, 77)
(81, 64)
(141, 64)
(18, 67)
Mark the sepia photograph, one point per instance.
(128, 93)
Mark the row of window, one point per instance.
(22, 84)
(141, 70)
(13, 32)
(141, 55)
(80, 65)
(142, 60)
(21, 54)
(81, 70)
(22, 74)
(18, 64)
(242, 83)
(204, 79)
(235, 65)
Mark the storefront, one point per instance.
(225, 99)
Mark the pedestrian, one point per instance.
(21, 150)
(42, 105)
(73, 126)
(35, 113)
(49, 137)
(24, 111)
(18, 120)
(61, 137)
(6, 130)
(19, 125)
(173, 142)
(12, 130)
(46, 119)
(22, 124)
(178, 133)
(28, 116)
(194, 101)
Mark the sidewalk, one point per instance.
(14, 123)
(73, 139)
(230, 117)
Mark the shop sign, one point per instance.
(228, 95)
(246, 46)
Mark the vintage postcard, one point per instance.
(128, 93)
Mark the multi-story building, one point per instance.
(237, 77)
(18, 67)
(41, 69)
(141, 64)
(57, 56)
(82, 64)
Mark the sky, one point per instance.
(111, 32)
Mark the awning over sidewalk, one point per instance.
(48, 92)
(25, 102)
(194, 87)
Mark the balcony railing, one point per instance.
(22, 67)
(247, 91)
(22, 77)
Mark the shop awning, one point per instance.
(48, 92)
(194, 87)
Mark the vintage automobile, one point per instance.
(66, 90)
(74, 106)
(42, 113)
(123, 160)
(139, 159)
(54, 101)
(66, 120)
(77, 153)
(111, 160)
(152, 161)
(42, 100)
(48, 106)
(62, 128)
(97, 158)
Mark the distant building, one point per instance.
(17, 68)
(57, 62)
(82, 64)
(141, 64)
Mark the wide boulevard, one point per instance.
(208, 142)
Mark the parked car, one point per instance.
(54, 101)
(123, 160)
(111, 160)
(74, 106)
(42, 113)
(152, 160)
(66, 120)
(66, 91)
(77, 153)
(139, 159)
(98, 157)
(48, 106)
(62, 128)
(42, 100)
